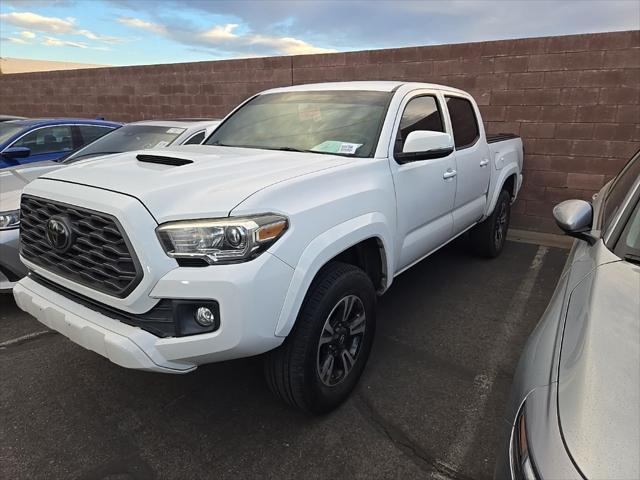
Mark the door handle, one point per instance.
(484, 162)
(449, 174)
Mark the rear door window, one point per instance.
(47, 140)
(463, 122)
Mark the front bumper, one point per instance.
(250, 296)
(11, 268)
(546, 446)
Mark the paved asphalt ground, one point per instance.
(428, 405)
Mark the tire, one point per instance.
(300, 371)
(488, 238)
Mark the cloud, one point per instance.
(142, 24)
(99, 38)
(54, 25)
(223, 38)
(286, 45)
(56, 42)
(39, 22)
(36, 3)
(357, 25)
(221, 32)
(23, 38)
(17, 40)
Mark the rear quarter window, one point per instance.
(195, 139)
(90, 133)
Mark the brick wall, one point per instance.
(574, 99)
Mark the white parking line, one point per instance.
(23, 338)
(483, 382)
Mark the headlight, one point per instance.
(221, 240)
(522, 466)
(9, 220)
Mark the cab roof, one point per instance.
(41, 122)
(375, 86)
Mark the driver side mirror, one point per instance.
(575, 218)
(16, 152)
(425, 145)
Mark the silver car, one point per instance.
(574, 410)
(132, 136)
(147, 134)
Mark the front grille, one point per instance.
(100, 255)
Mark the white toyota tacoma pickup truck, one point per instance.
(274, 237)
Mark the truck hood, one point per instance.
(14, 179)
(599, 375)
(217, 180)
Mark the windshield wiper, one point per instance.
(283, 149)
(289, 149)
(280, 149)
(632, 258)
(89, 155)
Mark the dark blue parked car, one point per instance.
(38, 139)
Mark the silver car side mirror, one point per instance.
(575, 218)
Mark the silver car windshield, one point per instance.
(333, 122)
(628, 246)
(126, 139)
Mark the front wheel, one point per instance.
(488, 238)
(320, 362)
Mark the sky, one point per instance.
(138, 32)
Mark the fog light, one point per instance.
(205, 317)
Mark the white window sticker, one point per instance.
(349, 148)
(175, 130)
(161, 144)
(334, 146)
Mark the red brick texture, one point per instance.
(575, 100)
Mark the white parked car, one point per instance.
(132, 136)
(276, 236)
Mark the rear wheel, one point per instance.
(488, 238)
(320, 362)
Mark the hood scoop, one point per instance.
(162, 160)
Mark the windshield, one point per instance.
(628, 246)
(337, 122)
(8, 130)
(126, 139)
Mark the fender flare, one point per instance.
(496, 187)
(325, 247)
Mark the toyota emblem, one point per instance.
(59, 234)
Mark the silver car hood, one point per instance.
(14, 179)
(599, 373)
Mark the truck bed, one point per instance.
(499, 137)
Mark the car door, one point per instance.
(472, 162)
(46, 143)
(425, 189)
